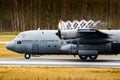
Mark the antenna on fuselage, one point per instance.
(38, 29)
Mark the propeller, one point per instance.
(59, 33)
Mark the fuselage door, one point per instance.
(115, 47)
(35, 48)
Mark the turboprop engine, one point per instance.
(67, 34)
(69, 30)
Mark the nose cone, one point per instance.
(10, 46)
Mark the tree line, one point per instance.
(21, 15)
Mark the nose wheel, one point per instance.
(27, 56)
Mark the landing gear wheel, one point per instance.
(83, 57)
(93, 57)
(27, 56)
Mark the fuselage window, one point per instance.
(18, 42)
(48, 45)
(42, 32)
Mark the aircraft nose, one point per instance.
(10, 45)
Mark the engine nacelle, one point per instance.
(67, 34)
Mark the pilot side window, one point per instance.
(18, 42)
(21, 35)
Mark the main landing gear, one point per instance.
(90, 57)
(93, 57)
(27, 56)
(83, 57)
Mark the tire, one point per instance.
(93, 57)
(27, 56)
(83, 57)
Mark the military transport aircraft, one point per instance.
(85, 42)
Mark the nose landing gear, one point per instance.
(27, 56)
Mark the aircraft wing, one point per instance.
(91, 33)
(92, 36)
(85, 36)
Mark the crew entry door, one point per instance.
(35, 48)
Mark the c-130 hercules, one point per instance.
(72, 38)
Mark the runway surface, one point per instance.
(59, 62)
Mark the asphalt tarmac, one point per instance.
(104, 63)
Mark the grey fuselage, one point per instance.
(47, 42)
(36, 42)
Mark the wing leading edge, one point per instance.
(92, 33)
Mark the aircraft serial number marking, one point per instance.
(37, 41)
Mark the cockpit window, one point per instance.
(18, 42)
(21, 35)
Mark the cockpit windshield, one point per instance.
(21, 35)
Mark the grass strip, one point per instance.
(58, 73)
